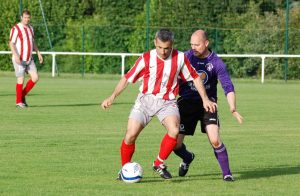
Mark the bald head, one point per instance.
(199, 43)
(200, 34)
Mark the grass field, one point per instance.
(64, 144)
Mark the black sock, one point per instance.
(183, 153)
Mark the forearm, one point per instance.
(231, 101)
(13, 49)
(36, 49)
(119, 88)
(200, 88)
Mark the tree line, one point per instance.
(234, 27)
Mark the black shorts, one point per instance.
(192, 111)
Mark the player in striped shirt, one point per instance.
(159, 70)
(22, 44)
(211, 69)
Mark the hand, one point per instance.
(18, 60)
(40, 58)
(210, 106)
(107, 103)
(238, 117)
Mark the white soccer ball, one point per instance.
(132, 172)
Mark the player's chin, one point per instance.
(195, 53)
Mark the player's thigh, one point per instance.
(19, 71)
(209, 118)
(168, 115)
(190, 113)
(134, 128)
(213, 134)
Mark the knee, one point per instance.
(35, 79)
(130, 138)
(173, 134)
(173, 131)
(216, 143)
(20, 80)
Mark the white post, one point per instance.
(123, 64)
(53, 64)
(262, 69)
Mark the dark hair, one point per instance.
(27, 12)
(165, 35)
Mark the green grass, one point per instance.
(64, 144)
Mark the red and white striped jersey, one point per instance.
(160, 77)
(22, 36)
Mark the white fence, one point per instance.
(124, 55)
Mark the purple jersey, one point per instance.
(210, 70)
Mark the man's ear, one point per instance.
(206, 43)
(154, 42)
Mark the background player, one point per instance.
(22, 44)
(211, 69)
(159, 70)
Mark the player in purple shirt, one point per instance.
(211, 69)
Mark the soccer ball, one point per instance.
(132, 172)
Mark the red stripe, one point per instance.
(176, 89)
(182, 77)
(190, 68)
(28, 44)
(147, 71)
(132, 70)
(21, 39)
(159, 74)
(142, 72)
(12, 33)
(173, 72)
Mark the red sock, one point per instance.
(166, 147)
(30, 84)
(19, 88)
(127, 151)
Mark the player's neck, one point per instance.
(24, 25)
(205, 54)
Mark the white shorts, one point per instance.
(148, 106)
(25, 66)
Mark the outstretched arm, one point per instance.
(118, 90)
(232, 106)
(207, 104)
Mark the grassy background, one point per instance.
(64, 144)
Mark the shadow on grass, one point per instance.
(65, 105)
(14, 94)
(269, 172)
(242, 175)
(74, 105)
(177, 179)
(7, 95)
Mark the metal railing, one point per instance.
(124, 55)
